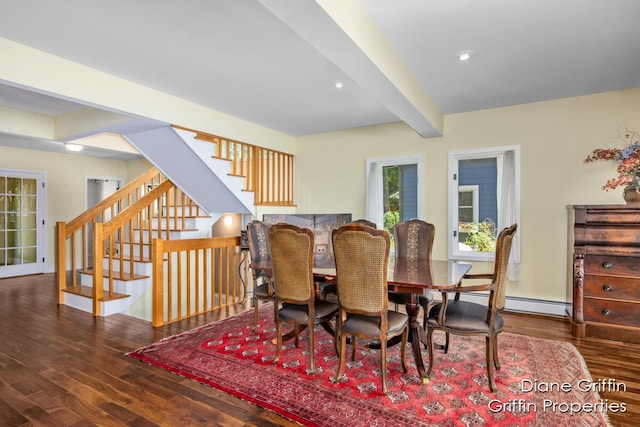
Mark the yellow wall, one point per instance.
(65, 176)
(554, 136)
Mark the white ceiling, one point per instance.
(275, 62)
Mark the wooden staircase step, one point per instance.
(87, 291)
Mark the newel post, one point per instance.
(98, 267)
(61, 259)
(157, 249)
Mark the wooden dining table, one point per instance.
(414, 278)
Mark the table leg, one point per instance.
(417, 335)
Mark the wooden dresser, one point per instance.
(606, 271)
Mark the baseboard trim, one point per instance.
(525, 305)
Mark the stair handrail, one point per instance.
(152, 175)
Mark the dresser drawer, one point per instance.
(612, 265)
(612, 287)
(614, 312)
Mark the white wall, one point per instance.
(554, 136)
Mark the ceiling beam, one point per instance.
(343, 32)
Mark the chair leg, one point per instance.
(278, 341)
(496, 360)
(446, 342)
(343, 350)
(383, 363)
(296, 332)
(490, 362)
(353, 348)
(430, 348)
(255, 312)
(312, 347)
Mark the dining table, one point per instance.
(414, 277)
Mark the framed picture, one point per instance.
(321, 225)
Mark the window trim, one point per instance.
(480, 153)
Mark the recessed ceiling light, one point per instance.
(73, 147)
(339, 85)
(464, 55)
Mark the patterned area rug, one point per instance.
(541, 382)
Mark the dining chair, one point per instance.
(413, 240)
(362, 255)
(259, 251)
(292, 260)
(468, 318)
(330, 287)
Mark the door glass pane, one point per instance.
(3, 257)
(29, 186)
(29, 220)
(29, 203)
(29, 255)
(13, 221)
(390, 198)
(13, 185)
(13, 203)
(29, 238)
(14, 256)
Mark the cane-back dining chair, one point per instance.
(467, 318)
(413, 241)
(330, 287)
(292, 260)
(362, 255)
(259, 250)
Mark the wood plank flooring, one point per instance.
(62, 367)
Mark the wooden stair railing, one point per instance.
(200, 275)
(268, 173)
(123, 227)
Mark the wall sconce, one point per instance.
(228, 220)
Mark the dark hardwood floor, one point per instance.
(62, 367)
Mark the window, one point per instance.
(483, 199)
(393, 191)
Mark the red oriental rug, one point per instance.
(541, 382)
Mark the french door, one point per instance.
(22, 229)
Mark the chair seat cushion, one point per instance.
(403, 298)
(464, 316)
(370, 325)
(262, 291)
(295, 313)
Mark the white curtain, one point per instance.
(507, 213)
(374, 194)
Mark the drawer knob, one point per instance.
(607, 265)
(607, 312)
(607, 288)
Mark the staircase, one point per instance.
(131, 287)
(195, 180)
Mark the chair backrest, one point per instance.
(413, 239)
(292, 260)
(258, 236)
(365, 222)
(362, 254)
(503, 250)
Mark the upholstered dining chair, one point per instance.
(362, 255)
(259, 250)
(292, 260)
(414, 242)
(468, 318)
(330, 287)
